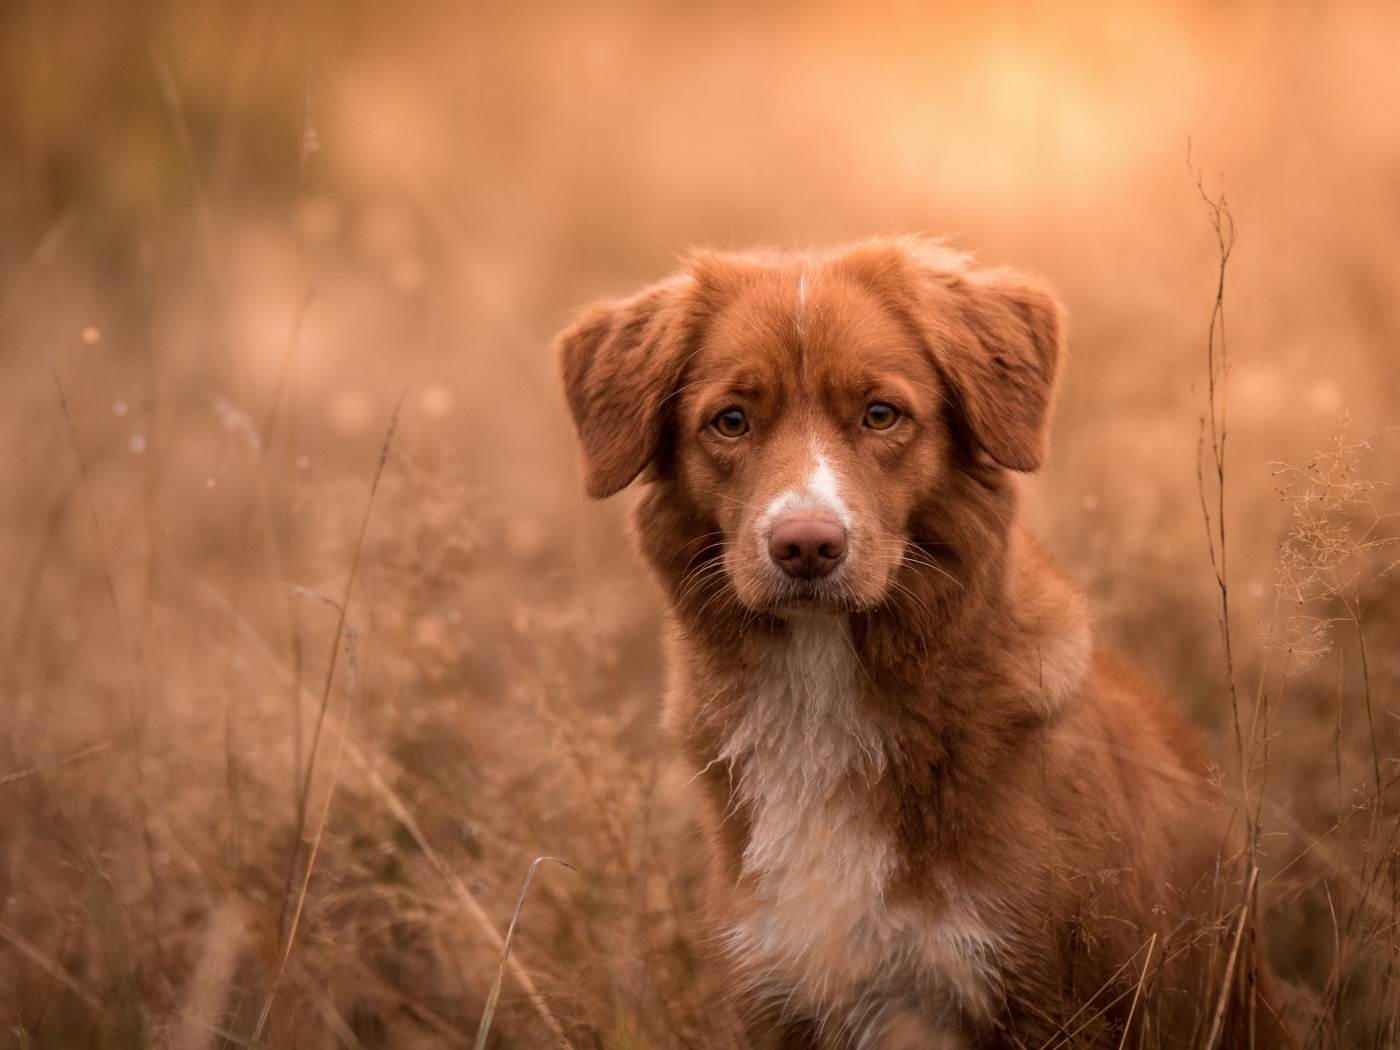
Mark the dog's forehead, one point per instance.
(807, 325)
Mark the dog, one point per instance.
(937, 814)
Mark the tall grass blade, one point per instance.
(490, 1011)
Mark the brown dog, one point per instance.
(938, 816)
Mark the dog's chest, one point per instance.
(811, 921)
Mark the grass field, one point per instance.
(309, 643)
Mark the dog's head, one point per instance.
(802, 412)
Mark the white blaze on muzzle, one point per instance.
(819, 493)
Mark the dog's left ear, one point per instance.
(621, 360)
(998, 338)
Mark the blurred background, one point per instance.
(286, 709)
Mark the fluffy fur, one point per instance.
(938, 815)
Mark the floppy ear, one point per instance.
(998, 338)
(621, 360)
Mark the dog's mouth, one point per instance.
(805, 597)
(803, 609)
(808, 593)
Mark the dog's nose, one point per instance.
(807, 547)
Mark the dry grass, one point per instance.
(280, 735)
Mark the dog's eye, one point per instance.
(880, 416)
(731, 423)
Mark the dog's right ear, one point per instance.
(621, 361)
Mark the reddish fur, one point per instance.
(1017, 764)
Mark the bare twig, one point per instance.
(1142, 977)
(77, 756)
(321, 718)
(485, 1028)
(1214, 424)
(343, 608)
(1214, 1035)
(316, 842)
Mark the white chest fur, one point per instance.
(814, 931)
